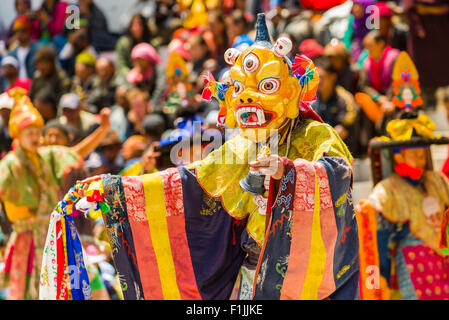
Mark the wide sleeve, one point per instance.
(66, 165)
(311, 249)
(169, 239)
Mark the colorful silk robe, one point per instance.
(399, 230)
(38, 187)
(176, 234)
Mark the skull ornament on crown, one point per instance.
(263, 88)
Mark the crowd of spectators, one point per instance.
(72, 74)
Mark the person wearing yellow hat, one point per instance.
(82, 84)
(31, 183)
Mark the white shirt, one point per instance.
(21, 56)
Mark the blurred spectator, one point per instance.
(139, 107)
(119, 112)
(109, 151)
(70, 108)
(89, 10)
(56, 133)
(321, 5)
(428, 44)
(6, 104)
(146, 163)
(48, 75)
(150, 158)
(166, 20)
(311, 49)
(51, 15)
(189, 129)
(153, 126)
(377, 69)
(26, 49)
(339, 56)
(236, 25)
(23, 8)
(146, 8)
(218, 35)
(10, 75)
(357, 27)
(46, 102)
(76, 41)
(242, 42)
(97, 164)
(375, 86)
(300, 27)
(100, 37)
(104, 83)
(335, 105)
(148, 74)
(132, 149)
(394, 33)
(136, 33)
(198, 52)
(82, 83)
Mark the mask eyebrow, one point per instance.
(271, 69)
(249, 52)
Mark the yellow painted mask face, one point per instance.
(262, 91)
(262, 95)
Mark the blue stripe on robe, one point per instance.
(346, 252)
(80, 280)
(277, 249)
(216, 260)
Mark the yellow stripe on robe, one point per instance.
(157, 220)
(317, 259)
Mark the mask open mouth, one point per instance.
(252, 116)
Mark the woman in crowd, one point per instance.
(137, 32)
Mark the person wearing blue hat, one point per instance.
(242, 42)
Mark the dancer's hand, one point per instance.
(271, 165)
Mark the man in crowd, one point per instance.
(26, 48)
(82, 84)
(72, 113)
(11, 77)
(48, 74)
(105, 83)
(335, 105)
